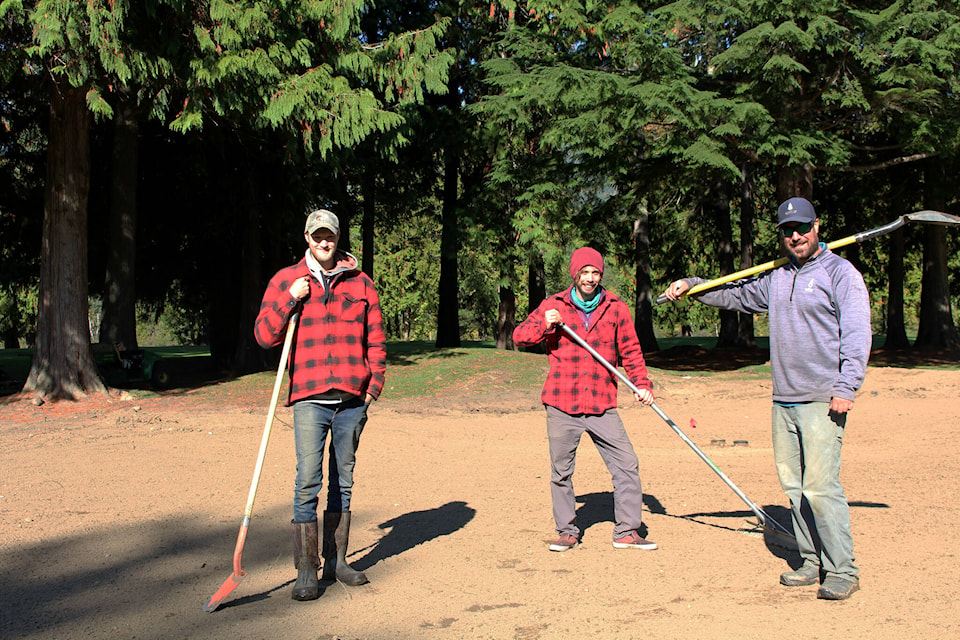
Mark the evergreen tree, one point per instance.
(73, 46)
(588, 102)
(818, 91)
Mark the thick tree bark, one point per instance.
(896, 329)
(448, 306)
(643, 305)
(506, 318)
(63, 365)
(119, 323)
(936, 327)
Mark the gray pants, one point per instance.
(806, 444)
(610, 437)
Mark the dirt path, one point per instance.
(120, 521)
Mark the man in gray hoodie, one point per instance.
(820, 340)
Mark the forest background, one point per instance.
(157, 159)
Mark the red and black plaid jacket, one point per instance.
(339, 343)
(577, 383)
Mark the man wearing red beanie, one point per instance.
(580, 395)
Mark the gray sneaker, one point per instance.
(837, 588)
(806, 575)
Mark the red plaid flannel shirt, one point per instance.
(577, 383)
(339, 343)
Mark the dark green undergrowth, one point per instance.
(418, 369)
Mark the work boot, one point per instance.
(336, 536)
(806, 575)
(837, 588)
(306, 560)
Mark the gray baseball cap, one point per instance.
(322, 219)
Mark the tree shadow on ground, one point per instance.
(107, 578)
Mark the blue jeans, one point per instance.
(806, 445)
(311, 424)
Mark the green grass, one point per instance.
(417, 368)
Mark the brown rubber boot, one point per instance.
(336, 537)
(306, 560)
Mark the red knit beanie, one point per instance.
(585, 257)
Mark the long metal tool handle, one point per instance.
(238, 573)
(931, 217)
(765, 520)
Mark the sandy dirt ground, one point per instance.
(118, 520)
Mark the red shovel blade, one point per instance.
(230, 583)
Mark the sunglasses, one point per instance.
(802, 228)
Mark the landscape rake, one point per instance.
(928, 217)
(772, 530)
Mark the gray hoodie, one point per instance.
(820, 333)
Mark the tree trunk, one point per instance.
(249, 356)
(536, 290)
(63, 365)
(119, 323)
(896, 329)
(223, 290)
(936, 317)
(795, 182)
(448, 306)
(506, 318)
(536, 282)
(344, 211)
(643, 306)
(369, 209)
(718, 202)
(745, 331)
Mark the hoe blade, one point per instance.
(933, 217)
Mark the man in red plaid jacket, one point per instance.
(337, 365)
(580, 395)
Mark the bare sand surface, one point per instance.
(118, 520)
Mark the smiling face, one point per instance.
(587, 282)
(802, 240)
(323, 246)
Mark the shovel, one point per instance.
(929, 217)
(778, 532)
(238, 573)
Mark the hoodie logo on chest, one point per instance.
(810, 286)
